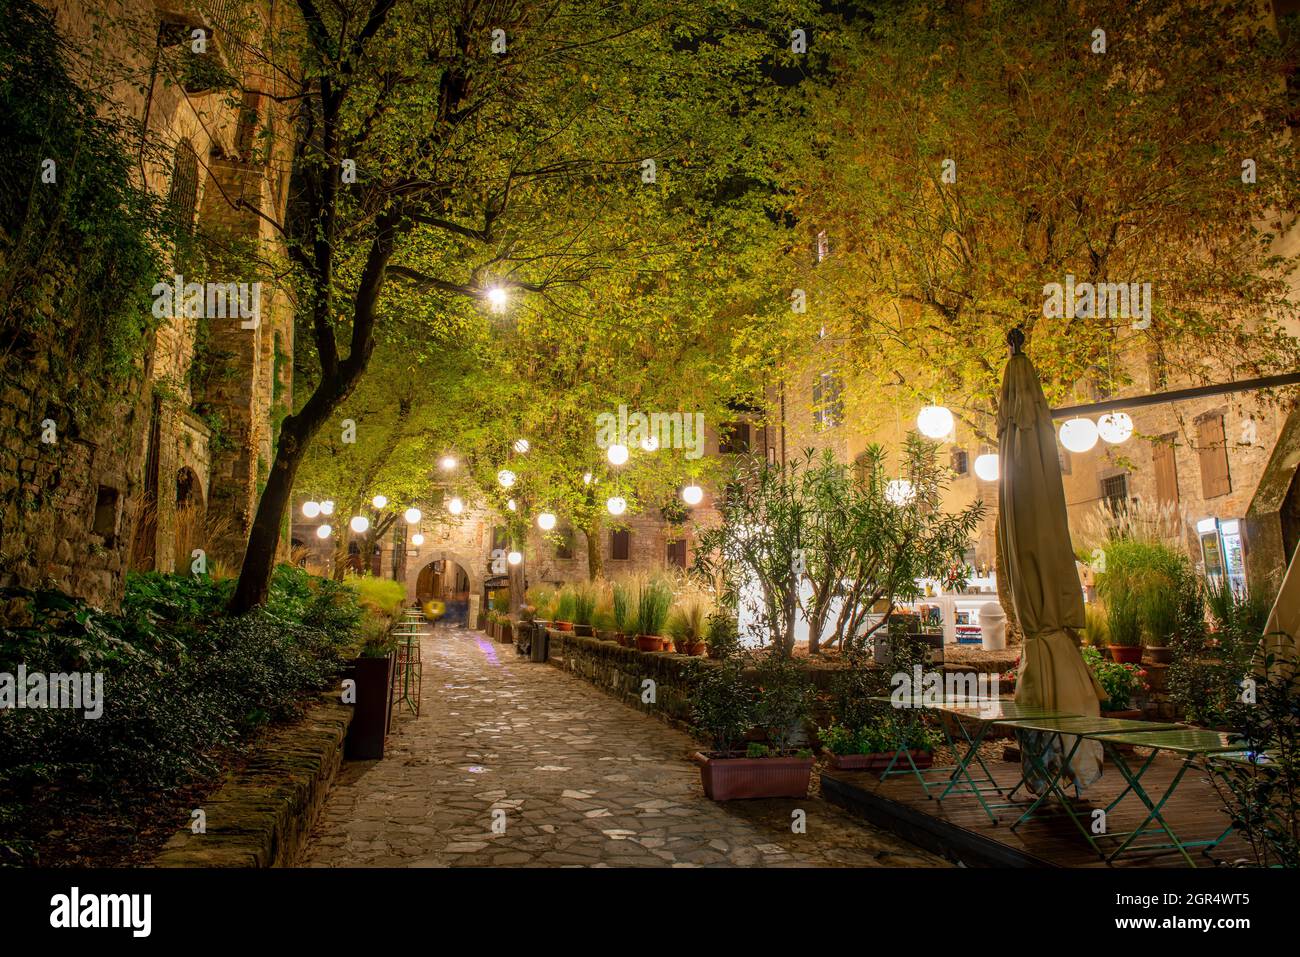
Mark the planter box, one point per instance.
(729, 779)
(878, 761)
(373, 712)
(584, 631)
(506, 632)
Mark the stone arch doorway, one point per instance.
(447, 575)
(446, 580)
(191, 516)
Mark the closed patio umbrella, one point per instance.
(1035, 555)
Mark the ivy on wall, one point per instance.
(82, 239)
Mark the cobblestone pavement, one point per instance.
(576, 777)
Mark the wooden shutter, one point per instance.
(677, 553)
(619, 544)
(1213, 452)
(1166, 469)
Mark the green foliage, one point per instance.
(1120, 680)
(1149, 591)
(688, 619)
(856, 546)
(79, 255)
(380, 596)
(180, 678)
(653, 602)
(624, 601)
(1208, 665)
(1263, 799)
(565, 604)
(785, 699)
(585, 597)
(723, 636)
(722, 704)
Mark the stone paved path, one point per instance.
(582, 779)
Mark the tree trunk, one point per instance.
(595, 561)
(264, 538)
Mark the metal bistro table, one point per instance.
(970, 776)
(1192, 744)
(408, 677)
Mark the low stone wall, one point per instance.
(621, 671)
(260, 816)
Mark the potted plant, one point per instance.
(726, 707)
(623, 606)
(585, 597)
(1120, 680)
(873, 747)
(687, 623)
(653, 602)
(372, 672)
(564, 608)
(722, 638)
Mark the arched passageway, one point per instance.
(447, 581)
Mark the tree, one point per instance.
(478, 170)
(975, 153)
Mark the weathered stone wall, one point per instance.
(262, 815)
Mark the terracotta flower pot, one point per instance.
(669, 645)
(649, 643)
(878, 761)
(730, 778)
(697, 648)
(1126, 655)
(1160, 655)
(562, 625)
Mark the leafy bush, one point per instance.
(1208, 666)
(382, 596)
(785, 698)
(722, 704)
(1119, 680)
(1263, 798)
(723, 636)
(180, 678)
(585, 597)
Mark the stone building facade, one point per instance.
(173, 460)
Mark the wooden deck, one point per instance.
(960, 829)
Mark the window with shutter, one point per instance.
(1166, 469)
(677, 553)
(620, 544)
(1212, 451)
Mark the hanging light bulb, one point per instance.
(616, 504)
(327, 507)
(1079, 435)
(934, 421)
(617, 454)
(412, 516)
(456, 506)
(650, 443)
(359, 523)
(511, 505)
(417, 539)
(986, 466)
(899, 492)
(514, 558)
(323, 531)
(506, 478)
(1115, 427)
(586, 479)
(692, 495)
(546, 521)
(522, 446)
(497, 297)
(448, 463)
(379, 501)
(311, 509)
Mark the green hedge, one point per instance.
(180, 678)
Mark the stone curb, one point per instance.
(260, 817)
